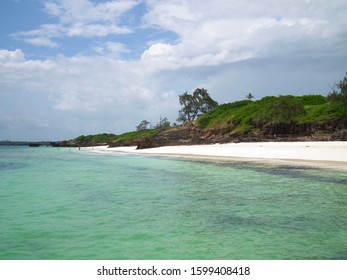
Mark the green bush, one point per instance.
(137, 134)
(312, 99)
(221, 114)
(95, 139)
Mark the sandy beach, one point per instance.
(316, 154)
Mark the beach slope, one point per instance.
(327, 154)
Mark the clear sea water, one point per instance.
(69, 204)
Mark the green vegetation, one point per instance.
(284, 109)
(246, 115)
(163, 124)
(136, 134)
(313, 99)
(221, 115)
(249, 96)
(142, 125)
(339, 96)
(199, 102)
(95, 139)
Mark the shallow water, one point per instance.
(70, 204)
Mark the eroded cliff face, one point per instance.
(306, 129)
(193, 135)
(176, 136)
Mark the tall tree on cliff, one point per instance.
(199, 102)
(339, 95)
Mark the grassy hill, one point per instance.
(245, 114)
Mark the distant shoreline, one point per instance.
(313, 154)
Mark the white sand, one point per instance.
(320, 154)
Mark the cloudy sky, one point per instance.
(92, 66)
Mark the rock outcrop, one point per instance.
(193, 135)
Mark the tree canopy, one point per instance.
(339, 95)
(199, 102)
(284, 109)
(163, 123)
(249, 96)
(143, 125)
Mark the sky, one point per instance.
(70, 68)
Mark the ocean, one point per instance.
(69, 204)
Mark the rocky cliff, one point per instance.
(193, 135)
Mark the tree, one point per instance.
(284, 109)
(249, 96)
(162, 124)
(194, 104)
(339, 95)
(143, 125)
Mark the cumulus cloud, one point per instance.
(11, 56)
(100, 88)
(229, 31)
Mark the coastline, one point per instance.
(312, 154)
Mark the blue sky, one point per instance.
(92, 66)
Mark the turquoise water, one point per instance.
(70, 204)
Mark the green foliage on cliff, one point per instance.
(314, 99)
(339, 96)
(284, 109)
(136, 134)
(246, 115)
(221, 115)
(95, 139)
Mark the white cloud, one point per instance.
(11, 56)
(79, 18)
(41, 41)
(113, 49)
(94, 30)
(228, 31)
(161, 56)
(101, 86)
(158, 50)
(16, 61)
(85, 11)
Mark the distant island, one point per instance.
(29, 143)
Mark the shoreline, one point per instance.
(310, 154)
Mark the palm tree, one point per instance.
(249, 96)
